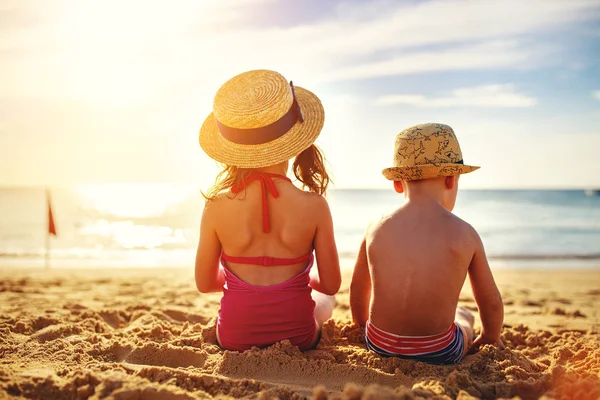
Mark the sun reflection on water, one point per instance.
(137, 200)
(135, 216)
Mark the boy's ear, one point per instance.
(450, 182)
(398, 186)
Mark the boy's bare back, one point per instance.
(418, 259)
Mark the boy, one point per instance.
(412, 263)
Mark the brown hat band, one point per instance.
(267, 133)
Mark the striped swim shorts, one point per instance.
(443, 348)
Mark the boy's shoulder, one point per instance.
(375, 226)
(396, 219)
(464, 227)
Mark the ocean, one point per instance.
(135, 225)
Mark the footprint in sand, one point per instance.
(166, 356)
(563, 301)
(532, 303)
(181, 316)
(54, 332)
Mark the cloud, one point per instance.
(376, 26)
(364, 41)
(359, 41)
(596, 95)
(477, 96)
(137, 54)
(489, 55)
(140, 54)
(30, 24)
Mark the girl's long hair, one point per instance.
(309, 168)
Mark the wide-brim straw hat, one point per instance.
(426, 151)
(260, 119)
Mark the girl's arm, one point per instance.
(360, 287)
(209, 277)
(328, 262)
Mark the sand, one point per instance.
(148, 334)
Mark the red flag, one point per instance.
(51, 226)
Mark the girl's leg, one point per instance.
(323, 307)
(323, 310)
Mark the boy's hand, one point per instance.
(481, 340)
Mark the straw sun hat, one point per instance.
(426, 151)
(260, 119)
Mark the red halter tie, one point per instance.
(266, 183)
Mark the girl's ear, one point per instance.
(450, 182)
(398, 186)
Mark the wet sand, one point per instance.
(148, 334)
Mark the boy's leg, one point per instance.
(465, 320)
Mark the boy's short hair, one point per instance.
(426, 151)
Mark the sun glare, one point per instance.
(137, 200)
(114, 49)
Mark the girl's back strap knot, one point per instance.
(266, 184)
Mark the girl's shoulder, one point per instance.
(217, 200)
(315, 201)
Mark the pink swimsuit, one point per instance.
(262, 315)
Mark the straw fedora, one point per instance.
(259, 119)
(426, 151)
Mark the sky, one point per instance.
(116, 91)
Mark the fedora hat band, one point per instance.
(461, 162)
(267, 133)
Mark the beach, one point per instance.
(146, 333)
(135, 137)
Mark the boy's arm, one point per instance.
(209, 277)
(360, 287)
(487, 297)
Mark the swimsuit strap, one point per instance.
(266, 183)
(266, 260)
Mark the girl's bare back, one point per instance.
(293, 219)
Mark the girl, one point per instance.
(260, 228)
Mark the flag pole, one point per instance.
(47, 249)
(51, 227)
